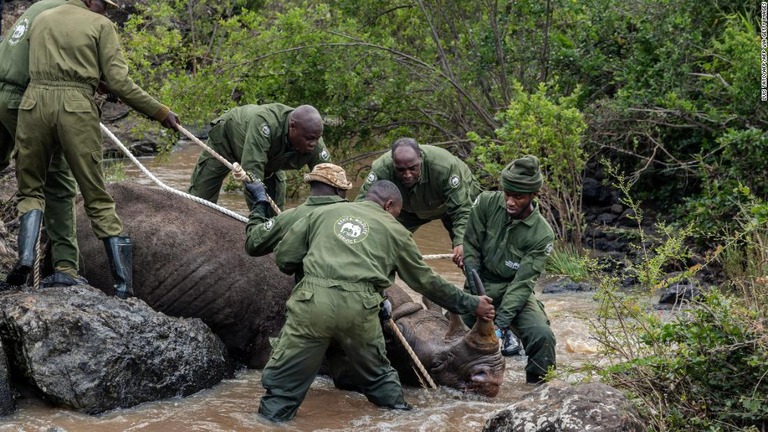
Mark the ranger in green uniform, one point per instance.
(71, 48)
(59, 188)
(508, 242)
(349, 254)
(328, 185)
(265, 140)
(434, 183)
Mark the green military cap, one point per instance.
(522, 175)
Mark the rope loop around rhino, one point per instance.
(199, 200)
(165, 187)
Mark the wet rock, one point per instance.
(605, 218)
(612, 261)
(606, 245)
(84, 350)
(594, 193)
(566, 284)
(677, 294)
(617, 209)
(628, 218)
(7, 404)
(561, 407)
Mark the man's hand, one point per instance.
(458, 256)
(485, 310)
(171, 121)
(256, 191)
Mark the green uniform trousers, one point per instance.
(319, 315)
(209, 174)
(62, 116)
(59, 191)
(531, 325)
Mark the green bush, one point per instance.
(711, 372)
(549, 127)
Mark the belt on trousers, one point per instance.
(62, 84)
(345, 285)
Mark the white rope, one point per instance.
(157, 181)
(237, 171)
(199, 200)
(437, 256)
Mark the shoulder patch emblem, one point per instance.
(371, 178)
(19, 31)
(351, 229)
(454, 181)
(265, 130)
(324, 155)
(269, 224)
(548, 249)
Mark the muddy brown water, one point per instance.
(232, 405)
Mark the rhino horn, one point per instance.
(482, 337)
(456, 327)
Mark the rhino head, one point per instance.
(454, 355)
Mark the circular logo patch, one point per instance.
(19, 31)
(324, 155)
(371, 178)
(351, 229)
(454, 181)
(265, 130)
(269, 224)
(548, 250)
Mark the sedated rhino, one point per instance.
(189, 261)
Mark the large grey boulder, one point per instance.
(7, 403)
(90, 352)
(562, 407)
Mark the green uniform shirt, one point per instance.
(446, 186)
(262, 234)
(73, 44)
(361, 243)
(506, 251)
(14, 49)
(257, 136)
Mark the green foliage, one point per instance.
(704, 367)
(742, 153)
(568, 260)
(704, 370)
(658, 255)
(550, 128)
(667, 86)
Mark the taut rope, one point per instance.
(237, 171)
(157, 181)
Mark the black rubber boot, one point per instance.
(533, 378)
(119, 252)
(62, 279)
(29, 230)
(510, 345)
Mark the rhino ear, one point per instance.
(456, 327)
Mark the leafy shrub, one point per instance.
(550, 128)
